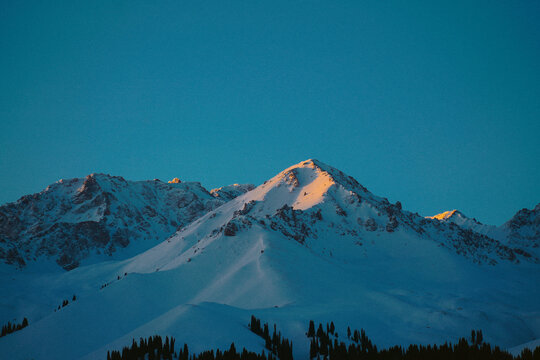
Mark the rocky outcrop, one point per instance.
(72, 220)
(227, 193)
(524, 228)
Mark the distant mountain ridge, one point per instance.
(72, 220)
(522, 230)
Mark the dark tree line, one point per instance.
(275, 343)
(324, 345)
(9, 327)
(231, 354)
(154, 348)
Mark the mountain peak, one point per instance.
(525, 225)
(311, 163)
(307, 185)
(306, 164)
(459, 218)
(306, 171)
(445, 215)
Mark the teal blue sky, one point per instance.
(430, 103)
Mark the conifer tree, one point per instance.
(313, 349)
(479, 337)
(311, 331)
(186, 352)
(320, 331)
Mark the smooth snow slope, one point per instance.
(310, 243)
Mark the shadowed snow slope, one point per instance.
(310, 243)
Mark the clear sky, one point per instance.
(430, 103)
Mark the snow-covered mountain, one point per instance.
(97, 217)
(327, 211)
(522, 230)
(465, 222)
(309, 243)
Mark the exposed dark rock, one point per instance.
(246, 209)
(230, 229)
(370, 225)
(317, 215)
(340, 211)
(392, 224)
(87, 191)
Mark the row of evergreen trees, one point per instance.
(154, 348)
(276, 344)
(325, 345)
(231, 354)
(9, 327)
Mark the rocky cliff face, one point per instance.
(229, 192)
(73, 220)
(524, 228)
